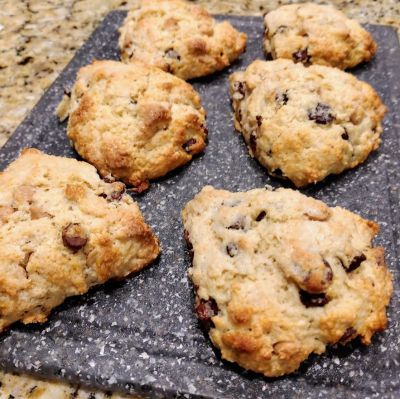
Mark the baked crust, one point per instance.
(62, 231)
(179, 37)
(134, 122)
(305, 123)
(316, 34)
(279, 276)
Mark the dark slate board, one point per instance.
(141, 336)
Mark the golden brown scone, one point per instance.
(279, 276)
(62, 231)
(134, 122)
(316, 34)
(179, 37)
(305, 123)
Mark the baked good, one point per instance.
(133, 122)
(62, 231)
(305, 123)
(316, 34)
(179, 37)
(279, 276)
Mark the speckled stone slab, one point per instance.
(140, 335)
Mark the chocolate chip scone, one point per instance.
(305, 123)
(279, 276)
(62, 231)
(316, 34)
(179, 37)
(134, 122)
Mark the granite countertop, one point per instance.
(39, 37)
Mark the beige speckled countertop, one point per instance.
(39, 37)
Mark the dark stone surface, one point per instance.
(141, 335)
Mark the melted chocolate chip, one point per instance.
(232, 249)
(345, 135)
(355, 263)
(186, 146)
(117, 195)
(74, 237)
(67, 91)
(348, 335)
(268, 56)
(329, 272)
(205, 130)
(261, 216)
(240, 87)
(301, 56)
(282, 98)
(266, 30)
(259, 120)
(322, 114)
(313, 300)
(109, 179)
(239, 115)
(239, 224)
(171, 53)
(205, 310)
(119, 189)
(187, 239)
(253, 142)
(277, 172)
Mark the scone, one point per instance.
(179, 37)
(305, 123)
(133, 122)
(316, 34)
(279, 276)
(62, 231)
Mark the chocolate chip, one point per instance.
(187, 239)
(74, 237)
(205, 310)
(301, 56)
(67, 91)
(259, 120)
(253, 142)
(119, 189)
(239, 115)
(268, 56)
(313, 300)
(345, 135)
(171, 53)
(205, 130)
(239, 224)
(240, 90)
(322, 114)
(282, 98)
(232, 249)
(261, 216)
(109, 179)
(355, 263)
(117, 195)
(328, 272)
(348, 335)
(186, 146)
(277, 172)
(266, 30)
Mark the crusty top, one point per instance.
(63, 230)
(179, 37)
(133, 121)
(316, 34)
(279, 275)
